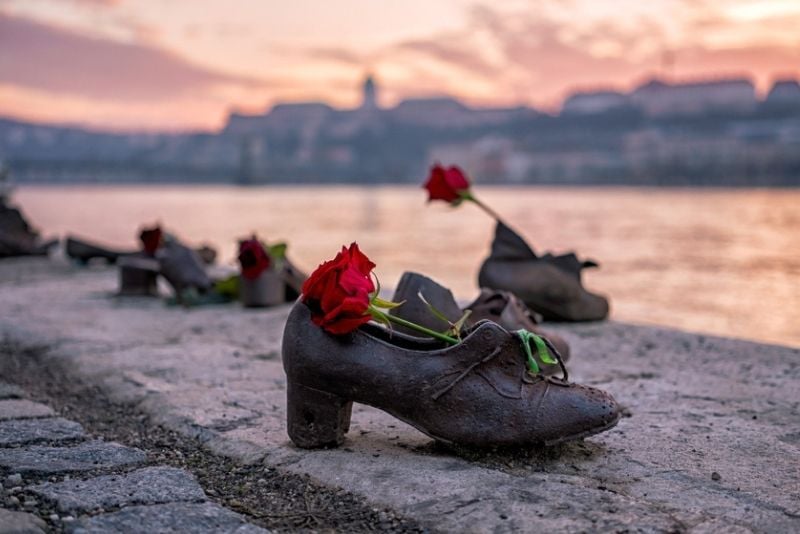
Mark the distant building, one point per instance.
(784, 92)
(370, 100)
(431, 111)
(590, 103)
(657, 98)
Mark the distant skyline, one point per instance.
(151, 65)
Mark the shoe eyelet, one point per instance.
(488, 335)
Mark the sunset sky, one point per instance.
(184, 64)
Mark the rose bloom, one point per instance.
(253, 259)
(151, 239)
(338, 292)
(446, 184)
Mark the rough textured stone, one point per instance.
(20, 523)
(697, 405)
(21, 408)
(166, 519)
(151, 485)
(25, 431)
(10, 391)
(88, 456)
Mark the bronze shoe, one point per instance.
(500, 307)
(477, 393)
(550, 285)
(84, 251)
(183, 269)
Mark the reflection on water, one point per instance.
(724, 262)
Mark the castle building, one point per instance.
(370, 100)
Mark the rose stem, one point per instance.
(485, 208)
(434, 334)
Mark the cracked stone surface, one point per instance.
(151, 485)
(21, 408)
(25, 431)
(206, 518)
(698, 406)
(87, 456)
(20, 523)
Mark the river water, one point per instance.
(725, 262)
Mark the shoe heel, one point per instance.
(314, 418)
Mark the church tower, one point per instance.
(370, 101)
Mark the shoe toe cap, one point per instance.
(577, 411)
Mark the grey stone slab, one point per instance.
(88, 456)
(177, 518)
(20, 523)
(151, 485)
(26, 431)
(10, 391)
(22, 408)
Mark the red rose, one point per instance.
(253, 259)
(338, 292)
(151, 239)
(446, 184)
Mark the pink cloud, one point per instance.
(57, 60)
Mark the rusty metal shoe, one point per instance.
(84, 251)
(550, 285)
(500, 307)
(182, 268)
(476, 393)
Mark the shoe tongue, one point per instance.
(416, 311)
(508, 245)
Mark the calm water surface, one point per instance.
(718, 261)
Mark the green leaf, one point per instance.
(459, 325)
(277, 251)
(228, 286)
(377, 291)
(439, 315)
(386, 304)
(541, 348)
(525, 337)
(380, 317)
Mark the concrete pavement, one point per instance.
(712, 441)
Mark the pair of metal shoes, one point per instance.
(183, 267)
(480, 392)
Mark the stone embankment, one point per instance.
(711, 441)
(42, 457)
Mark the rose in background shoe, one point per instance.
(549, 285)
(260, 281)
(267, 276)
(476, 393)
(496, 306)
